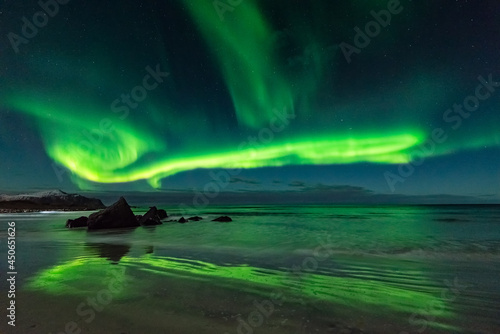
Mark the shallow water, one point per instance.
(275, 269)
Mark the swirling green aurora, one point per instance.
(260, 71)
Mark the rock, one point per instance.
(78, 222)
(222, 219)
(195, 218)
(150, 218)
(112, 252)
(182, 220)
(162, 214)
(117, 215)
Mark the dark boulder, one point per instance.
(162, 214)
(224, 219)
(195, 218)
(78, 222)
(150, 218)
(115, 216)
(182, 220)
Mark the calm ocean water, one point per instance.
(274, 269)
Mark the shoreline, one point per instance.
(31, 210)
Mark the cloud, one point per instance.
(297, 184)
(344, 189)
(243, 180)
(316, 194)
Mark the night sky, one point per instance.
(319, 99)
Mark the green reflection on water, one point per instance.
(84, 275)
(78, 277)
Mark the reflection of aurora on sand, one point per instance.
(368, 295)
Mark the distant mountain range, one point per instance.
(48, 200)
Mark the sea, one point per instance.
(273, 269)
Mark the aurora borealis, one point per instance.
(265, 89)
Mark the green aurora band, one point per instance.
(109, 162)
(151, 143)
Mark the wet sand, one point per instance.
(177, 305)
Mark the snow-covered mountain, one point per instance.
(49, 200)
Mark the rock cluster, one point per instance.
(120, 215)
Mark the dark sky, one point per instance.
(322, 99)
